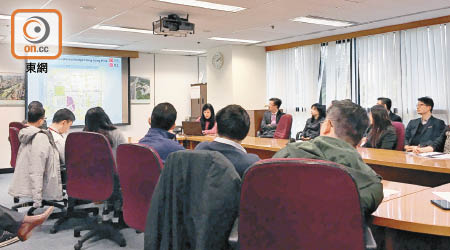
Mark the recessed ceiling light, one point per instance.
(323, 21)
(87, 7)
(233, 40)
(185, 51)
(92, 44)
(206, 5)
(5, 17)
(115, 28)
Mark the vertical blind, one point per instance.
(402, 66)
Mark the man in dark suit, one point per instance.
(423, 131)
(271, 118)
(387, 103)
(233, 124)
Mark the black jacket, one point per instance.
(395, 118)
(239, 158)
(195, 203)
(439, 143)
(312, 129)
(431, 131)
(268, 130)
(388, 139)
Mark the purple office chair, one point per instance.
(90, 166)
(283, 130)
(400, 131)
(299, 204)
(15, 144)
(139, 168)
(17, 125)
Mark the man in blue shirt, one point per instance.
(158, 136)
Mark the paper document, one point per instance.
(435, 155)
(430, 154)
(389, 192)
(443, 195)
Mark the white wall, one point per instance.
(249, 76)
(220, 81)
(171, 82)
(174, 76)
(8, 114)
(241, 80)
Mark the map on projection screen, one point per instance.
(80, 83)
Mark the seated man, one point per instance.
(62, 120)
(423, 131)
(271, 118)
(13, 223)
(233, 124)
(158, 136)
(341, 131)
(37, 174)
(387, 103)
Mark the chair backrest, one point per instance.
(299, 204)
(139, 168)
(283, 130)
(89, 164)
(15, 144)
(17, 125)
(400, 131)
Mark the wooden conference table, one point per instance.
(390, 164)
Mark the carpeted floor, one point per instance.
(62, 240)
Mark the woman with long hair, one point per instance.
(381, 133)
(312, 127)
(96, 120)
(208, 120)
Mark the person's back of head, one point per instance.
(96, 120)
(385, 101)
(63, 115)
(349, 121)
(163, 116)
(427, 101)
(36, 114)
(233, 122)
(35, 104)
(62, 120)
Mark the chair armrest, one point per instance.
(233, 240)
(370, 240)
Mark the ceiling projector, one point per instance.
(173, 25)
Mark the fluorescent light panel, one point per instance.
(184, 51)
(115, 28)
(206, 5)
(233, 40)
(7, 17)
(92, 44)
(322, 21)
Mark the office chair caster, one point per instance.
(123, 243)
(76, 233)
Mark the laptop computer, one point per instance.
(192, 128)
